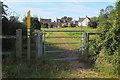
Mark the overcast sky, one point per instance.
(57, 8)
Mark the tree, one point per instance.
(4, 9)
(35, 23)
(69, 19)
(92, 24)
(102, 12)
(69, 25)
(44, 25)
(63, 25)
(14, 19)
(108, 9)
(65, 17)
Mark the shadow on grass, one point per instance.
(36, 68)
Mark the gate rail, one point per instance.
(82, 47)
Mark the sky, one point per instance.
(57, 8)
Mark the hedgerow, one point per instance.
(108, 45)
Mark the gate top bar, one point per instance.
(64, 30)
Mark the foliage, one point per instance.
(4, 9)
(45, 25)
(9, 26)
(35, 23)
(69, 25)
(92, 24)
(104, 14)
(108, 43)
(63, 25)
(67, 18)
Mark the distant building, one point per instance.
(83, 21)
(53, 25)
(48, 21)
(75, 23)
(62, 21)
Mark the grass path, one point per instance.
(77, 69)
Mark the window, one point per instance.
(58, 20)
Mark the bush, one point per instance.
(45, 25)
(108, 45)
(92, 24)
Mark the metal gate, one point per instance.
(82, 42)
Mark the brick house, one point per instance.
(75, 23)
(53, 24)
(59, 22)
(48, 21)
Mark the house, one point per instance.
(83, 21)
(53, 25)
(62, 21)
(75, 23)
(48, 21)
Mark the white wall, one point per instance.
(84, 22)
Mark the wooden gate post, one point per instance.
(87, 43)
(19, 43)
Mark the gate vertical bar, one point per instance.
(83, 43)
(86, 54)
(39, 44)
(80, 42)
(44, 42)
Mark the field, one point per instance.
(47, 68)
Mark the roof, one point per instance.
(45, 20)
(81, 19)
(62, 20)
(53, 23)
(88, 18)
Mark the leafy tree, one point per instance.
(102, 12)
(35, 23)
(44, 25)
(65, 17)
(14, 19)
(92, 24)
(108, 9)
(63, 25)
(69, 25)
(69, 19)
(4, 9)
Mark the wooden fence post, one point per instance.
(19, 43)
(39, 44)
